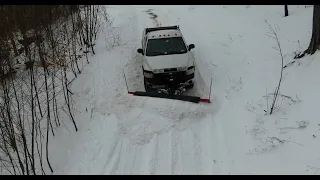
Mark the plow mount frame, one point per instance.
(194, 99)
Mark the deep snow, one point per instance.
(123, 134)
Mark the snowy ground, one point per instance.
(123, 134)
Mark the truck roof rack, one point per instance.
(161, 28)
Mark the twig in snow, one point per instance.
(313, 168)
(283, 141)
(230, 37)
(301, 125)
(285, 96)
(275, 36)
(267, 100)
(213, 64)
(289, 64)
(244, 58)
(224, 44)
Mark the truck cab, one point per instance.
(167, 60)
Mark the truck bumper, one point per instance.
(164, 80)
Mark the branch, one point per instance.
(281, 73)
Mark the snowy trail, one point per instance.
(124, 134)
(144, 135)
(140, 135)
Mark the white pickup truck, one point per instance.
(167, 61)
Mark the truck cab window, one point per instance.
(166, 46)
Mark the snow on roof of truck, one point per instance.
(164, 34)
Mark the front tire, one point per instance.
(190, 86)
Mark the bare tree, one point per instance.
(47, 38)
(315, 38)
(91, 25)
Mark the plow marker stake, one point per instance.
(193, 99)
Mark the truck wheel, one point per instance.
(190, 86)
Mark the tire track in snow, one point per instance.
(139, 164)
(164, 154)
(174, 155)
(222, 147)
(153, 159)
(134, 159)
(203, 147)
(211, 146)
(198, 150)
(192, 156)
(111, 155)
(116, 159)
(188, 152)
(177, 159)
(120, 168)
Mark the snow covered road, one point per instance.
(124, 134)
(138, 135)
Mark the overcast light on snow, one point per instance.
(124, 134)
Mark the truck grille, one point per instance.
(168, 74)
(170, 69)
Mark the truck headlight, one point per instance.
(182, 68)
(147, 74)
(158, 71)
(190, 70)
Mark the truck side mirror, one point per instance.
(140, 51)
(191, 46)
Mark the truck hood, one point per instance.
(169, 61)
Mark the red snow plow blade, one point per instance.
(193, 99)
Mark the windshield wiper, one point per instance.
(156, 53)
(176, 52)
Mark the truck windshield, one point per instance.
(165, 46)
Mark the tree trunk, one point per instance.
(315, 38)
(286, 11)
(14, 47)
